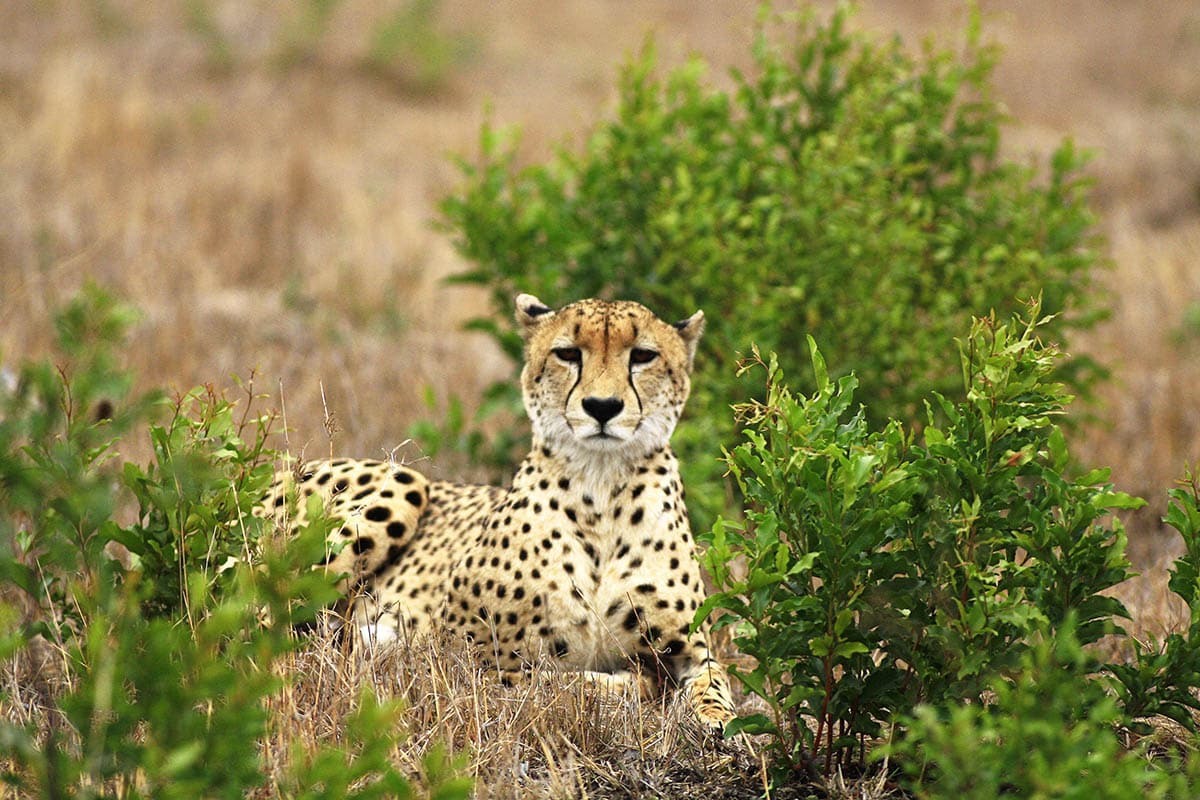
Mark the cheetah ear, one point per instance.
(690, 330)
(531, 312)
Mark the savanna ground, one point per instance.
(263, 191)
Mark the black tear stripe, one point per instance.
(578, 377)
(635, 392)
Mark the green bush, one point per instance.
(885, 569)
(1048, 733)
(1162, 677)
(57, 469)
(165, 665)
(843, 189)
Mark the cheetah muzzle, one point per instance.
(586, 560)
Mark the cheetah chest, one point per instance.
(591, 584)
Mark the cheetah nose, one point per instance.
(602, 409)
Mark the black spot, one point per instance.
(378, 513)
(370, 490)
(571, 515)
(674, 563)
(544, 484)
(647, 588)
(511, 619)
(414, 497)
(363, 545)
(518, 593)
(396, 529)
(635, 517)
(402, 477)
(323, 478)
(394, 554)
(637, 490)
(630, 622)
(560, 648)
(341, 486)
(564, 484)
(279, 501)
(364, 479)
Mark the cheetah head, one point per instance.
(605, 376)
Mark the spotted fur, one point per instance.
(586, 561)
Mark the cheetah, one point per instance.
(586, 561)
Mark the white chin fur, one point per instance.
(648, 435)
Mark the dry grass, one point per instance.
(551, 737)
(276, 217)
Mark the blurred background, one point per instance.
(261, 178)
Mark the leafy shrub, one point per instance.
(166, 665)
(195, 498)
(1049, 733)
(57, 469)
(1163, 676)
(889, 568)
(844, 189)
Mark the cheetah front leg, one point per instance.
(705, 684)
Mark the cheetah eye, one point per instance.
(571, 355)
(640, 355)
